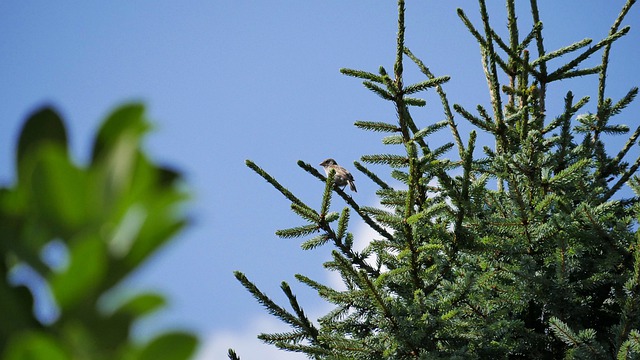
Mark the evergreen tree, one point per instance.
(529, 251)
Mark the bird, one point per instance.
(342, 176)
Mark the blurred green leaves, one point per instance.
(109, 216)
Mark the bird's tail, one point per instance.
(352, 186)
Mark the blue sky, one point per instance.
(225, 81)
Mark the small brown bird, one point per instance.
(342, 176)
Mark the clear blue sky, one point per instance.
(226, 81)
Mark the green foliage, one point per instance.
(531, 252)
(107, 217)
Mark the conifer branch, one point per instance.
(575, 73)
(463, 202)
(232, 355)
(482, 124)
(426, 84)
(362, 75)
(397, 67)
(315, 242)
(378, 90)
(514, 58)
(275, 184)
(309, 329)
(392, 160)
(537, 27)
(371, 175)
(343, 221)
(492, 76)
(631, 306)
(349, 200)
(607, 49)
(512, 25)
(268, 304)
(565, 50)
(443, 99)
(377, 126)
(372, 291)
(326, 197)
(622, 180)
(299, 231)
(623, 103)
(558, 74)
(625, 149)
(535, 14)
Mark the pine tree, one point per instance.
(526, 251)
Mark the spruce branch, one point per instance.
(298, 231)
(349, 200)
(625, 149)
(275, 184)
(424, 132)
(315, 242)
(324, 291)
(576, 73)
(362, 75)
(565, 50)
(512, 25)
(563, 332)
(326, 197)
(410, 101)
(492, 75)
(443, 98)
(423, 85)
(398, 67)
(514, 58)
(392, 140)
(462, 203)
(268, 304)
(343, 222)
(622, 180)
(309, 329)
(377, 126)
(378, 90)
(306, 213)
(558, 74)
(607, 49)
(623, 103)
(537, 27)
(371, 175)
(535, 14)
(631, 308)
(392, 160)
(482, 124)
(232, 355)
(569, 110)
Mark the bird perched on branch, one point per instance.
(342, 176)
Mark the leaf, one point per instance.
(87, 267)
(171, 346)
(59, 190)
(127, 119)
(34, 345)
(43, 127)
(142, 304)
(16, 303)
